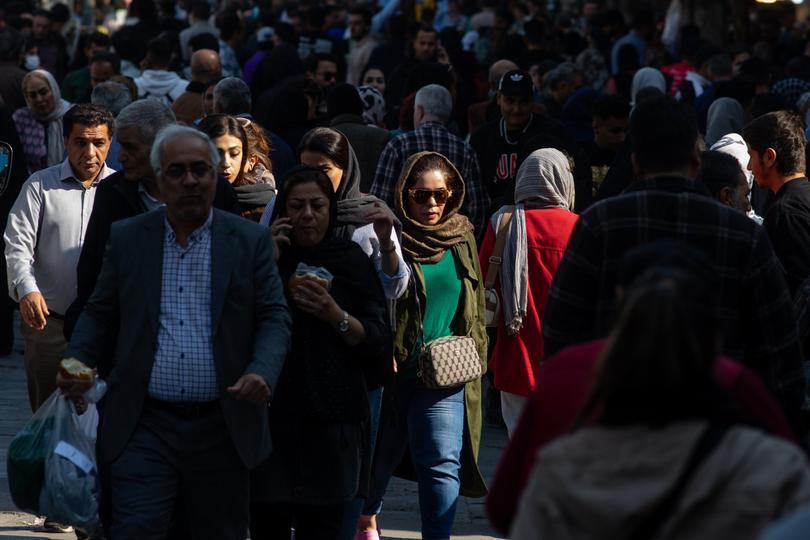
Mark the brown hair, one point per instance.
(257, 143)
(217, 125)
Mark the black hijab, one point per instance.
(330, 391)
(327, 249)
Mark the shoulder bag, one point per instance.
(492, 300)
(446, 362)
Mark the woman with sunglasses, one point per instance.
(441, 427)
(241, 164)
(39, 125)
(319, 413)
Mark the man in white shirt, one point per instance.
(44, 237)
(361, 45)
(157, 81)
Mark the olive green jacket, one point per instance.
(470, 322)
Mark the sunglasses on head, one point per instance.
(421, 196)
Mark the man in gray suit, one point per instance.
(204, 330)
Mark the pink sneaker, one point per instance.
(368, 535)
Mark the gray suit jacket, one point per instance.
(249, 317)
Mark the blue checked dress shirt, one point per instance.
(184, 368)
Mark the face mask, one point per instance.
(31, 61)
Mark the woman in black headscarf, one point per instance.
(319, 413)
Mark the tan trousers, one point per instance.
(43, 352)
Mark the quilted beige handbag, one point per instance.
(446, 362)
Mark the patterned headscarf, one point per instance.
(373, 105)
(52, 122)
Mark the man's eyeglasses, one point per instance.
(41, 92)
(328, 76)
(178, 172)
(421, 196)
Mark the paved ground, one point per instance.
(400, 518)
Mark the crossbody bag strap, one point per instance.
(496, 259)
(421, 334)
(652, 522)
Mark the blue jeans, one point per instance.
(431, 423)
(354, 508)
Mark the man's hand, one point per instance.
(250, 387)
(34, 310)
(74, 389)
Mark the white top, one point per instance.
(45, 234)
(395, 285)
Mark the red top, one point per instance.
(564, 383)
(678, 73)
(515, 360)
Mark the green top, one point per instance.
(442, 294)
(469, 322)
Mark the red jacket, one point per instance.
(515, 360)
(563, 385)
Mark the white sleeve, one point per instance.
(21, 240)
(393, 286)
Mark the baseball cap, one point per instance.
(264, 34)
(516, 83)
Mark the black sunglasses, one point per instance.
(421, 196)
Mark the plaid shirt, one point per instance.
(184, 360)
(434, 137)
(755, 307)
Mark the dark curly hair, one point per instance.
(784, 132)
(87, 115)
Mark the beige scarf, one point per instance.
(427, 243)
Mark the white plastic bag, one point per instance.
(70, 492)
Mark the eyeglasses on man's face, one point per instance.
(198, 170)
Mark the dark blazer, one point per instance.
(116, 199)
(249, 317)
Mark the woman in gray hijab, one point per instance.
(644, 78)
(537, 230)
(725, 116)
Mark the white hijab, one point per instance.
(544, 180)
(52, 121)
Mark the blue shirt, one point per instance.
(184, 361)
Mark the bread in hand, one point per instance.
(70, 368)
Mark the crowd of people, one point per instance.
(313, 245)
